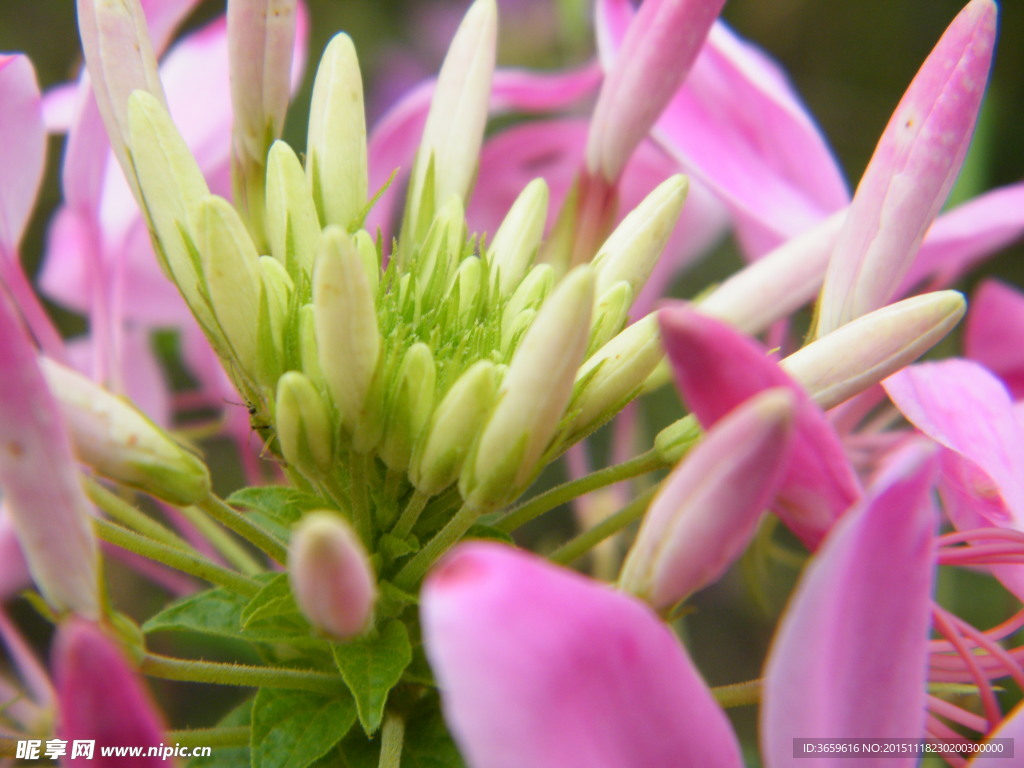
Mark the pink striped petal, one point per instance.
(22, 149)
(913, 168)
(995, 327)
(849, 658)
(963, 407)
(101, 698)
(716, 369)
(540, 667)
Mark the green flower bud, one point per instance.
(528, 296)
(533, 396)
(632, 250)
(293, 227)
(467, 283)
(273, 319)
(676, 440)
(370, 257)
(456, 420)
(336, 140)
(409, 404)
(308, 352)
(303, 424)
(610, 313)
(119, 442)
(518, 238)
(439, 256)
(348, 340)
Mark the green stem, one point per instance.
(739, 694)
(230, 549)
(361, 497)
(410, 514)
(256, 534)
(212, 737)
(244, 675)
(391, 741)
(337, 492)
(544, 502)
(185, 562)
(443, 540)
(611, 525)
(127, 515)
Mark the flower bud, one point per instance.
(455, 422)
(230, 267)
(447, 158)
(611, 309)
(408, 405)
(614, 375)
(308, 351)
(330, 575)
(275, 304)
(708, 508)
(864, 351)
(442, 249)
(675, 441)
(371, 258)
(303, 424)
(632, 250)
(348, 341)
(118, 441)
(293, 228)
(517, 240)
(467, 284)
(528, 296)
(336, 141)
(533, 396)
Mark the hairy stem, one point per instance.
(611, 525)
(256, 534)
(244, 675)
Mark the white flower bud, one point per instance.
(293, 227)
(517, 240)
(303, 424)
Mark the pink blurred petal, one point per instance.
(22, 149)
(995, 328)
(912, 170)
(101, 698)
(163, 18)
(60, 104)
(14, 575)
(965, 408)
(541, 667)
(849, 658)
(716, 369)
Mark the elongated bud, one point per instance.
(632, 250)
(676, 440)
(438, 258)
(660, 46)
(309, 353)
(533, 396)
(871, 348)
(39, 480)
(913, 168)
(454, 424)
(450, 148)
(331, 576)
(120, 60)
(337, 137)
(275, 303)
(370, 257)
(409, 405)
(611, 310)
(303, 424)
(515, 244)
(708, 508)
(261, 39)
(100, 697)
(171, 184)
(230, 267)
(293, 227)
(348, 340)
(614, 375)
(119, 442)
(530, 294)
(468, 280)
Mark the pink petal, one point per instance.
(163, 18)
(101, 698)
(22, 149)
(14, 575)
(962, 406)
(716, 369)
(912, 170)
(541, 667)
(1011, 728)
(849, 658)
(995, 327)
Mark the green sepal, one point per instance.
(371, 666)
(293, 729)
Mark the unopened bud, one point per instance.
(437, 259)
(330, 575)
(273, 319)
(370, 257)
(611, 309)
(864, 351)
(118, 441)
(455, 423)
(337, 137)
(709, 507)
(533, 396)
(467, 284)
(528, 296)
(517, 240)
(675, 441)
(303, 424)
(293, 227)
(408, 405)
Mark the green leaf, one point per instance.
(393, 600)
(292, 729)
(428, 743)
(228, 757)
(274, 599)
(218, 612)
(371, 666)
(281, 504)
